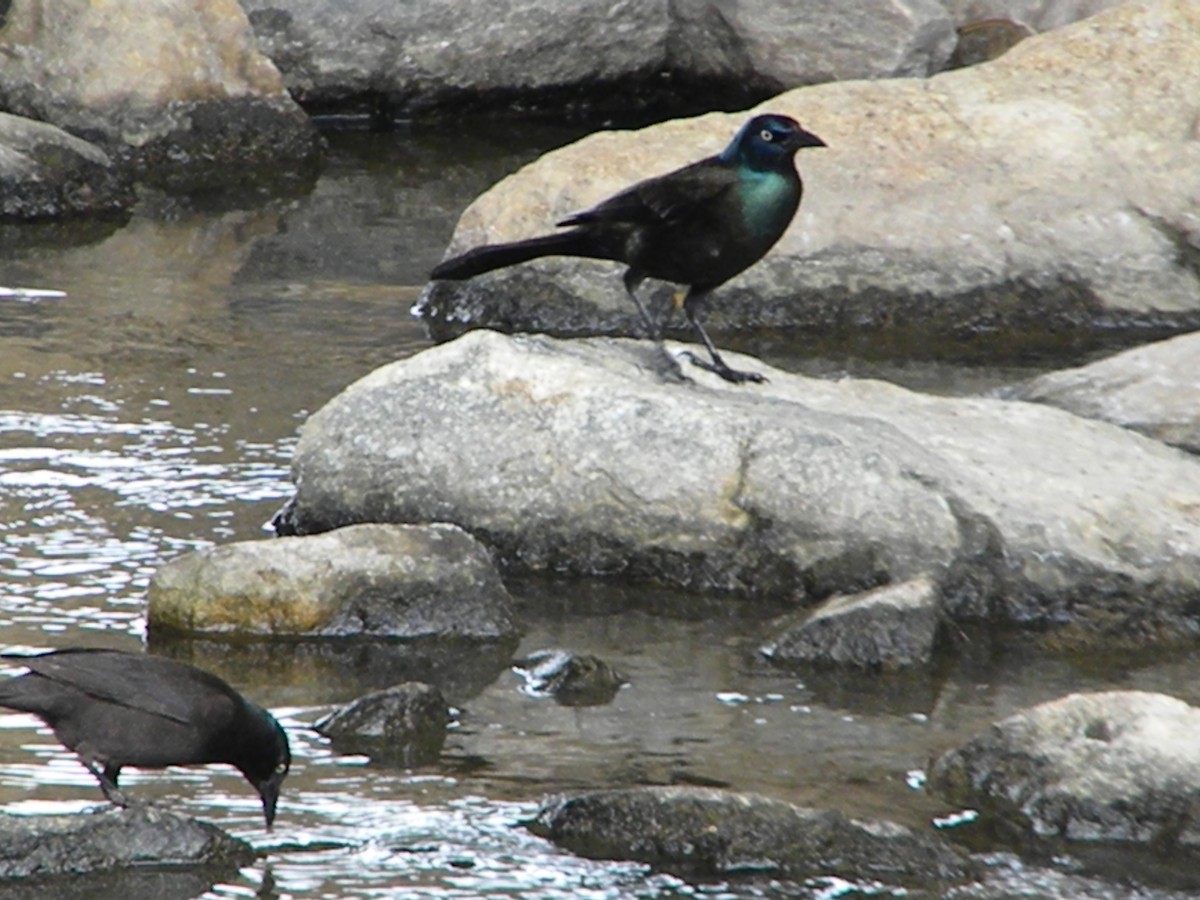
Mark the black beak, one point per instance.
(269, 791)
(804, 138)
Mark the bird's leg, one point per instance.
(108, 780)
(691, 307)
(632, 279)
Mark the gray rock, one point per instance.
(405, 723)
(45, 173)
(1153, 389)
(890, 627)
(984, 41)
(707, 831)
(1051, 189)
(369, 580)
(112, 838)
(421, 56)
(575, 456)
(173, 87)
(1121, 766)
(1039, 15)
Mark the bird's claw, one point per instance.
(718, 367)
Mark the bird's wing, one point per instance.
(145, 683)
(667, 198)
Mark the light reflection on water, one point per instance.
(83, 547)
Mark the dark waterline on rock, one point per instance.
(153, 411)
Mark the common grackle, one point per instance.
(116, 709)
(697, 226)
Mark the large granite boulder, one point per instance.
(1054, 188)
(1153, 389)
(421, 57)
(382, 581)
(577, 456)
(180, 89)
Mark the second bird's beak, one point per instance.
(269, 791)
(804, 138)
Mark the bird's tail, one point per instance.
(496, 256)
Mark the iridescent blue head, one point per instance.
(769, 142)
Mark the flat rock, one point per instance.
(1153, 389)
(171, 87)
(707, 831)
(890, 627)
(369, 580)
(580, 457)
(1052, 189)
(1122, 766)
(112, 838)
(47, 173)
(425, 57)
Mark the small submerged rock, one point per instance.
(1121, 766)
(112, 838)
(395, 581)
(405, 724)
(572, 679)
(704, 831)
(890, 627)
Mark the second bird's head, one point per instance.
(769, 140)
(266, 759)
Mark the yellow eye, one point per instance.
(766, 135)
(281, 769)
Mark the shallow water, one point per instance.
(154, 411)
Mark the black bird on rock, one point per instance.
(697, 226)
(116, 709)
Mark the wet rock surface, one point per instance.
(890, 627)
(421, 58)
(367, 581)
(178, 90)
(70, 845)
(711, 832)
(1154, 389)
(1051, 189)
(404, 724)
(1120, 766)
(574, 456)
(45, 173)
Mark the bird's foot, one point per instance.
(718, 367)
